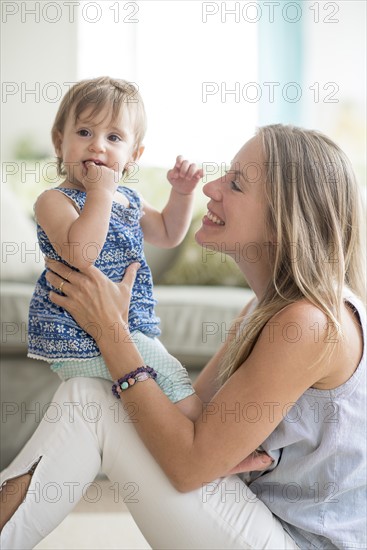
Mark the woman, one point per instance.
(291, 378)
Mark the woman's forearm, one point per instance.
(152, 405)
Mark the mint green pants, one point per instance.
(172, 377)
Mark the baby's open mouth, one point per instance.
(94, 161)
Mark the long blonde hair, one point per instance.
(314, 218)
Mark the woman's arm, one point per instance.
(241, 415)
(78, 236)
(167, 229)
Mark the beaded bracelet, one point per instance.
(138, 375)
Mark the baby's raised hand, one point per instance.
(184, 176)
(99, 176)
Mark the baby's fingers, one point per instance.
(92, 172)
(194, 173)
(175, 171)
(184, 168)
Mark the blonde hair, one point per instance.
(99, 93)
(314, 219)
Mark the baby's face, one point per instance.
(99, 140)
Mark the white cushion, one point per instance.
(14, 307)
(195, 320)
(21, 258)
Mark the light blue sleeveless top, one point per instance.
(317, 484)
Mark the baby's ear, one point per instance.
(129, 166)
(137, 153)
(57, 141)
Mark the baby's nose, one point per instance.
(97, 144)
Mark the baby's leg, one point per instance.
(95, 367)
(191, 406)
(172, 377)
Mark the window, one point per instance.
(193, 70)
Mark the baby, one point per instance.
(91, 219)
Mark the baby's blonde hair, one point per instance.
(99, 93)
(314, 222)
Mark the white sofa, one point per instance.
(194, 322)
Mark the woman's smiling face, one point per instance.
(235, 221)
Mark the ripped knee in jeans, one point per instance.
(13, 492)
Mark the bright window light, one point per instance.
(194, 76)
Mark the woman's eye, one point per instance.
(235, 187)
(83, 132)
(114, 137)
(233, 184)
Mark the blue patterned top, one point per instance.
(53, 334)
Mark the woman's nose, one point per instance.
(212, 189)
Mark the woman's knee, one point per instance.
(82, 390)
(13, 491)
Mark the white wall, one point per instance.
(335, 60)
(189, 72)
(33, 55)
(172, 62)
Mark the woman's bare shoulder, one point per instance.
(309, 335)
(297, 334)
(300, 311)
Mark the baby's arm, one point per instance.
(78, 236)
(167, 229)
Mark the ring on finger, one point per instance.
(61, 285)
(68, 275)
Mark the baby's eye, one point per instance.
(83, 132)
(114, 137)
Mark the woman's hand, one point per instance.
(256, 461)
(95, 302)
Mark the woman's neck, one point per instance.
(257, 275)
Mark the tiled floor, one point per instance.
(103, 524)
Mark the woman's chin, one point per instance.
(199, 236)
(205, 242)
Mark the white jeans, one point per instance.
(85, 430)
